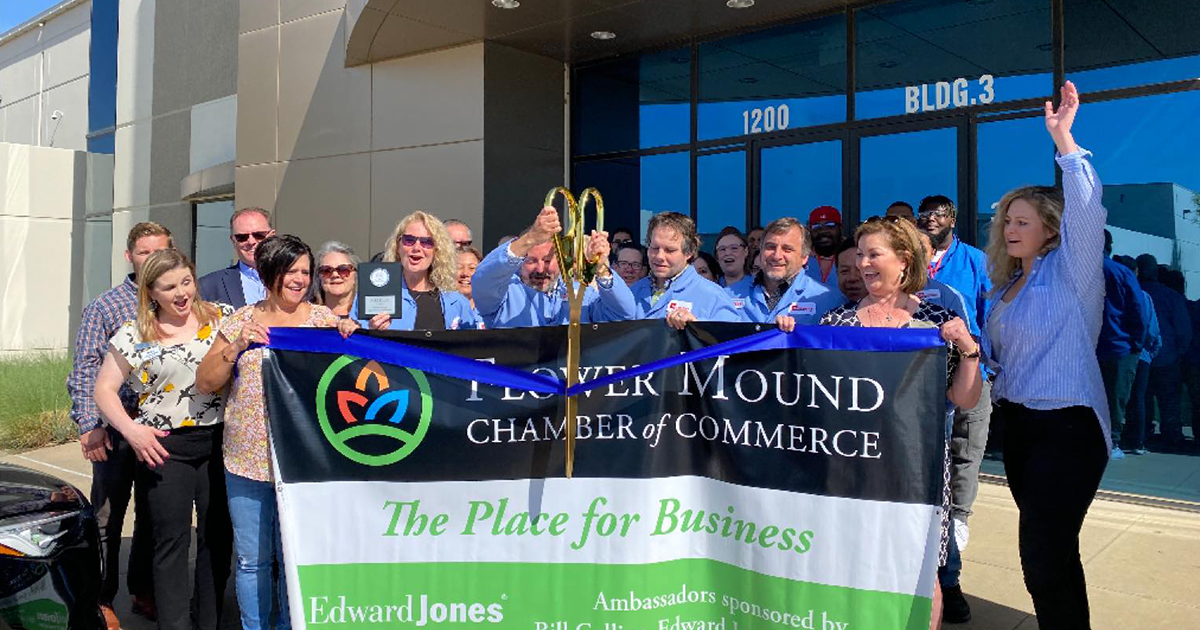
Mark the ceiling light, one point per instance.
(603, 35)
(506, 4)
(747, 80)
(1045, 47)
(739, 4)
(888, 64)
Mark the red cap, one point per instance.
(823, 214)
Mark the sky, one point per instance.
(14, 12)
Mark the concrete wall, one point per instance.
(43, 70)
(43, 209)
(344, 153)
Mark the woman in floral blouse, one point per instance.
(285, 265)
(176, 435)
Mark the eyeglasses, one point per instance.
(826, 224)
(730, 249)
(327, 271)
(463, 244)
(940, 213)
(408, 240)
(629, 266)
(880, 219)
(258, 236)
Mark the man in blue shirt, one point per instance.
(518, 283)
(964, 268)
(673, 290)
(1121, 333)
(780, 290)
(825, 232)
(1175, 324)
(1133, 438)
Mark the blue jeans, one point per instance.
(949, 574)
(259, 579)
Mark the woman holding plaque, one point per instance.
(892, 260)
(176, 436)
(429, 297)
(1046, 249)
(285, 266)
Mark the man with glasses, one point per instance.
(632, 264)
(964, 268)
(460, 233)
(825, 227)
(239, 284)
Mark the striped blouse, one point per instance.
(1049, 331)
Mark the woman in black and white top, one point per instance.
(176, 435)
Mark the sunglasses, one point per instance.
(258, 236)
(884, 218)
(826, 224)
(327, 271)
(463, 244)
(408, 240)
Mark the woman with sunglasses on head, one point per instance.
(1042, 323)
(285, 264)
(176, 436)
(893, 262)
(429, 297)
(337, 270)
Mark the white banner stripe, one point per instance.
(854, 543)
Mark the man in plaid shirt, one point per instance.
(113, 460)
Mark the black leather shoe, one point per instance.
(955, 608)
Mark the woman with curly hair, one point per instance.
(429, 292)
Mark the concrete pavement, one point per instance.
(1142, 562)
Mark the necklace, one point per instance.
(887, 316)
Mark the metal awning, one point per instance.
(559, 29)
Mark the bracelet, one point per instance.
(971, 355)
(227, 360)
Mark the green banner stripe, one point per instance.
(690, 594)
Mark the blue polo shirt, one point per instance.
(966, 269)
(707, 301)
(813, 270)
(805, 300)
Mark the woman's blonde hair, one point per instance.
(903, 238)
(1048, 201)
(158, 264)
(443, 272)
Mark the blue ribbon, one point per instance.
(396, 353)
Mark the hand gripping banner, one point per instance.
(725, 477)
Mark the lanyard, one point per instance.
(933, 270)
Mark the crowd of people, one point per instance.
(167, 385)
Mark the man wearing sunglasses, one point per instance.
(825, 228)
(239, 284)
(519, 284)
(460, 233)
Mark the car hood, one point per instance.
(25, 491)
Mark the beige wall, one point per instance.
(42, 70)
(344, 153)
(43, 208)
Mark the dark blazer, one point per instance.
(223, 285)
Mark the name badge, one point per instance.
(930, 294)
(803, 308)
(149, 350)
(739, 303)
(674, 304)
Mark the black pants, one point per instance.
(193, 475)
(112, 487)
(1054, 461)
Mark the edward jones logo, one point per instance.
(379, 421)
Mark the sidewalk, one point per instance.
(1142, 563)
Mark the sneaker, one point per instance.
(955, 608)
(110, 617)
(1138, 451)
(962, 533)
(1117, 453)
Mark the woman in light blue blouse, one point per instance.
(1045, 251)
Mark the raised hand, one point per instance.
(1060, 121)
(545, 226)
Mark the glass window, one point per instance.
(927, 55)
(799, 177)
(636, 102)
(103, 143)
(907, 167)
(1007, 160)
(784, 78)
(1122, 43)
(720, 194)
(102, 78)
(634, 189)
(213, 249)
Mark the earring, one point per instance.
(154, 305)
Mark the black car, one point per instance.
(49, 554)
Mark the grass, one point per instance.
(33, 402)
